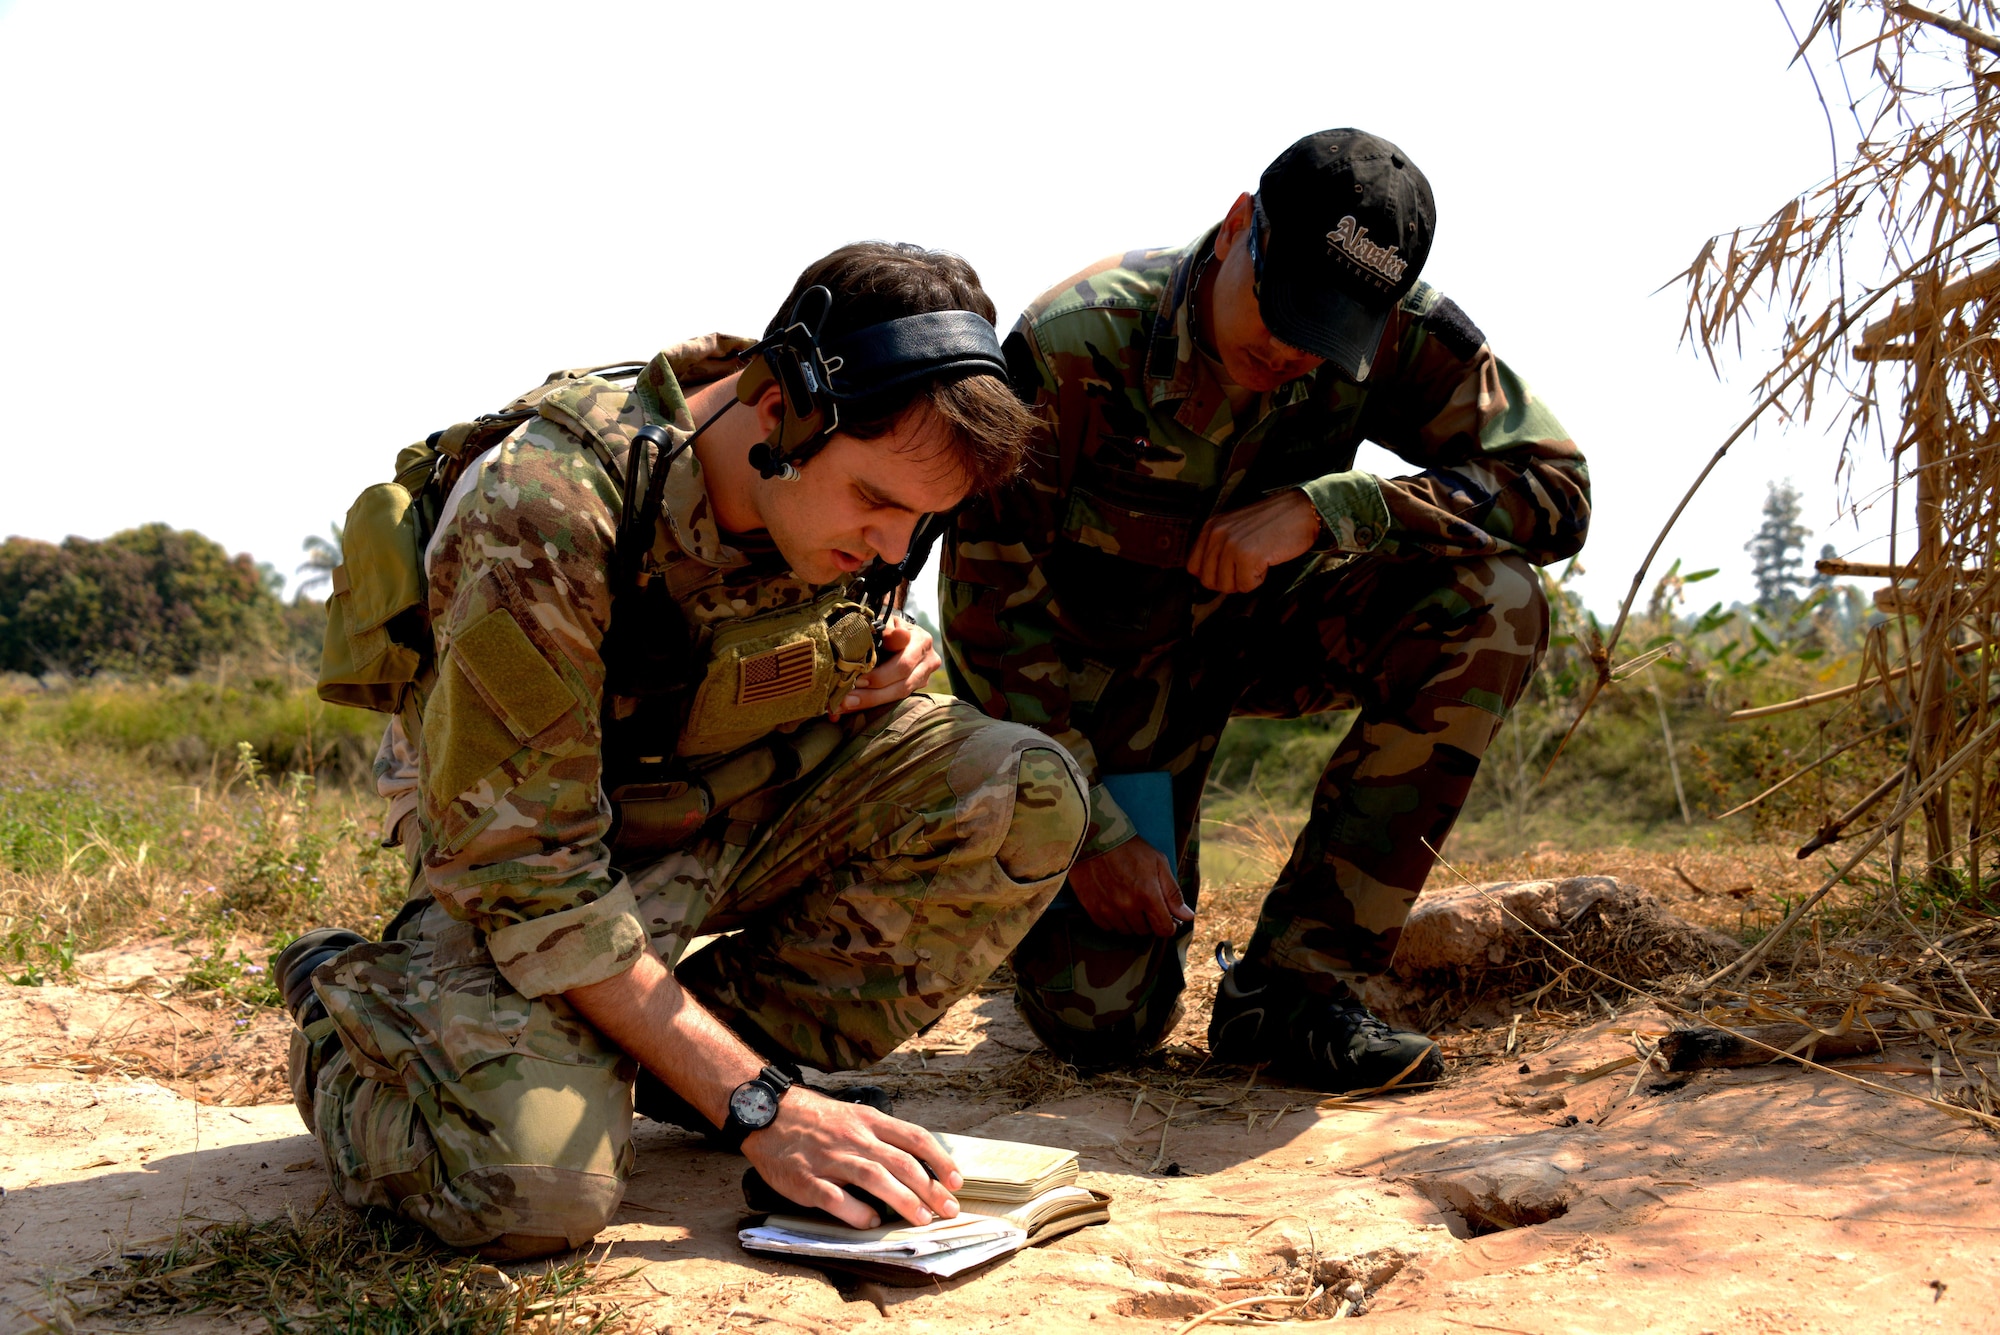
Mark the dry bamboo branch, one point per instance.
(1911, 801)
(1673, 764)
(1963, 31)
(1820, 698)
(1279, 1299)
(1870, 570)
(1830, 832)
(1602, 654)
(1841, 692)
(1902, 320)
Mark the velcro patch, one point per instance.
(1453, 328)
(512, 674)
(785, 670)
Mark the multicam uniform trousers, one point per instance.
(1432, 653)
(860, 902)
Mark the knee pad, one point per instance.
(1050, 816)
(528, 1209)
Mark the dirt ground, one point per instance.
(1517, 1197)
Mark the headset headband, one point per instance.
(814, 381)
(883, 356)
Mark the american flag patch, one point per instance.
(783, 671)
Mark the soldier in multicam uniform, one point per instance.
(475, 1069)
(1196, 545)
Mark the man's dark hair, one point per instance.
(877, 281)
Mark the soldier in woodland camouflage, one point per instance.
(475, 1069)
(1195, 544)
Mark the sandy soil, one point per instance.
(1752, 1200)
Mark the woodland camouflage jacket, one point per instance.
(511, 759)
(1078, 567)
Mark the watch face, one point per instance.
(753, 1104)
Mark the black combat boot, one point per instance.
(1327, 1041)
(294, 965)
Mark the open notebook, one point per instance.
(1015, 1195)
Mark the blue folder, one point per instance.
(1149, 800)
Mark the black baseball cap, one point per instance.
(1342, 226)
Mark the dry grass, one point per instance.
(334, 1272)
(98, 849)
(1913, 967)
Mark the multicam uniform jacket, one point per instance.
(514, 818)
(1083, 560)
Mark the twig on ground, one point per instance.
(1280, 1300)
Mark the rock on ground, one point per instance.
(1465, 943)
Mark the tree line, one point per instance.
(151, 601)
(156, 601)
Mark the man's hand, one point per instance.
(909, 656)
(818, 1144)
(1235, 551)
(1131, 889)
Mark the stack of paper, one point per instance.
(942, 1249)
(1015, 1195)
(1007, 1171)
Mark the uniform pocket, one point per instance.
(376, 637)
(471, 1016)
(1116, 605)
(436, 1007)
(511, 673)
(385, 1138)
(1118, 569)
(1147, 520)
(776, 668)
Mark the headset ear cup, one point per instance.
(751, 383)
(799, 430)
(802, 419)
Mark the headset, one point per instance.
(813, 381)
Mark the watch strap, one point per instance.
(733, 1130)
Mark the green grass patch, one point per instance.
(196, 725)
(98, 847)
(57, 811)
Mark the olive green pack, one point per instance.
(378, 648)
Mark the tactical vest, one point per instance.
(693, 722)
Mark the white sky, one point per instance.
(249, 251)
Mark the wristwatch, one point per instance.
(753, 1105)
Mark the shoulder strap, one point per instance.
(647, 647)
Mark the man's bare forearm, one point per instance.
(647, 1013)
(814, 1147)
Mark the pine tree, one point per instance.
(1777, 552)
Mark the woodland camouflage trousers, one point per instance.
(1432, 653)
(864, 900)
